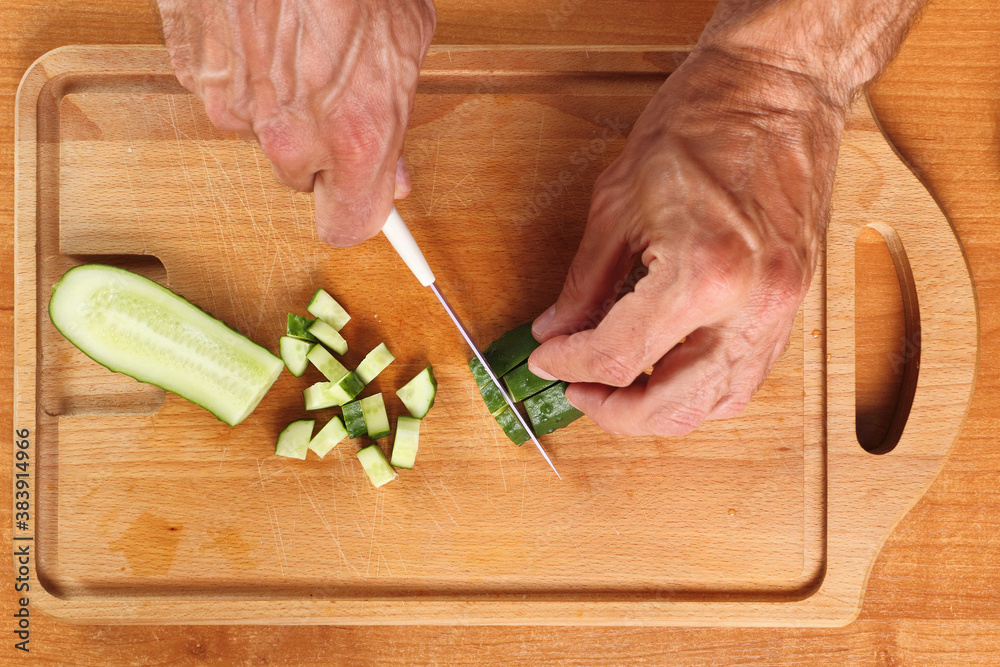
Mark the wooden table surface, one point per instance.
(933, 593)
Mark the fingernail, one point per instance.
(539, 326)
(403, 184)
(539, 372)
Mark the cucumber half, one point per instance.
(404, 447)
(293, 442)
(418, 394)
(326, 308)
(137, 327)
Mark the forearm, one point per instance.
(840, 45)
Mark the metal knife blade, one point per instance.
(402, 241)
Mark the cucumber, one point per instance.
(329, 336)
(374, 363)
(319, 396)
(293, 442)
(489, 391)
(327, 364)
(293, 353)
(326, 308)
(512, 426)
(522, 383)
(510, 349)
(376, 419)
(549, 410)
(298, 327)
(418, 394)
(404, 447)
(328, 437)
(351, 384)
(132, 325)
(377, 468)
(354, 419)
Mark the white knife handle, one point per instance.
(399, 236)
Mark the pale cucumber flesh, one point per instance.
(374, 363)
(326, 308)
(293, 442)
(376, 419)
(376, 466)
(418, 394)
(328, 437)
(135, 326)
(404, 447)
(293, 353)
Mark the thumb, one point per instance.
(352, 208)
(594, 279)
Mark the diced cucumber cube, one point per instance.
(298, 327)
(327, 364)
(351, 384)
(512, 427)
(329, 336)
(354, 419)
(328, 437)
(378, 469)
(489, 391)
(522, 383)
(404, 447)
(550, 410)
(293, 442)
(510, 349)
(318, 396)
(326, 308)
(374, 363)
(418, 394)
(376, 419)
(293, 353)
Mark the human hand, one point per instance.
(723, 189)
(325, 86)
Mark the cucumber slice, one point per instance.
(329, 336)
(293, 353)
(352, 385)
(354, 419)
(522, 383)
(326, 308)
(374, 363)
(134, 326)
(376, 419)
(327, 364)
(489, 391)
(328, 437)
(298, 327)
(293, 442)
(549, 410)
(378, 469)
(511, 426)
(510, 349)
(404, 447)
(418, 394)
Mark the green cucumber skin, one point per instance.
(549, 410)
(489, 391)
(354, 419)
(511, 427)
(297, 326)
(510, 349)
(411, 393)
(222, 330)
(522, 383)
(352, 385)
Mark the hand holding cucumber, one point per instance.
(723, 191)
(325, 86)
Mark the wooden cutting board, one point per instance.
(147, 509)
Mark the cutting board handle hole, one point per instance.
(887, 338)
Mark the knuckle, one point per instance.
(284, 144)
(360, 143)
(675, 420)
(786, 282)
(732, 406)
(220, 112)
(613, 369)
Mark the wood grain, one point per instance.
(931, 597)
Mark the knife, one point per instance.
(399, 236)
